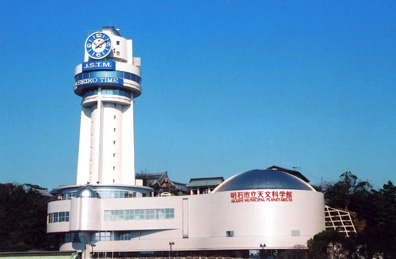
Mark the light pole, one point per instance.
(262, 252)
(92, 247)
(170, 248)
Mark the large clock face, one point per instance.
(98, 45)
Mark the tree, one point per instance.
(380, 233)
(377, 209)
(22, 218)
(332, 244)
(349, 189)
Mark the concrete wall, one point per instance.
(201, 222)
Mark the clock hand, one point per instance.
(100, 44)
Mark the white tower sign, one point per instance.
(108, 81)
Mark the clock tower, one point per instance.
(108, 81)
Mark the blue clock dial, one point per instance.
(98, 45)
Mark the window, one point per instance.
(118, 215)
(103, 236)
(150, 214)
(113, 194)
(295, 233)
(69, 195)
(58, 217)
(100, 73)
(170, 213)
(160, 214)
(139, 214)
(229, 233)
(55, 217)
(129, 214)
(124, 236)
(61, 216)
(108, 215)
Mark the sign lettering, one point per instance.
(99, 81)
(98, 65)
(261, 196)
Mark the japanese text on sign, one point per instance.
(261, 196)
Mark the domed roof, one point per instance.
(86, 192)
(263, 179)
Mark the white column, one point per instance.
(97, 146)
(84, 146)
(128, 146)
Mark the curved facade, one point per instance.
(105, 212)
(235, 219)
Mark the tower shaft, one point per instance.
(108, 85)
(106, 147)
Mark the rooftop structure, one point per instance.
(204, 185)
(161, 183)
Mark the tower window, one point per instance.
(115, 117)
(114, 142)
(118, 42)
(295, 233)
(229, 233)
(114, 129)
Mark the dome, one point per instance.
(263, 179)
(86, 192)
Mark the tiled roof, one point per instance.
(210, 181)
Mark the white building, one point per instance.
(108, 80)
(106, 214)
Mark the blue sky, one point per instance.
(228, 86)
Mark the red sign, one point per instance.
(261, 196)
